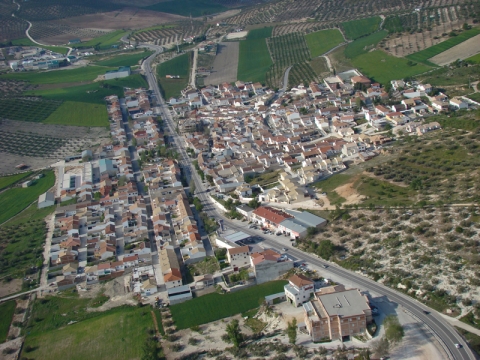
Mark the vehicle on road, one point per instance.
(284, 249)
(458, 346)
(278, 234)
(325, 266)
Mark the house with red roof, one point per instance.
(270, 217)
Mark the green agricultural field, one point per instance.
(28, 42)
(357, 28)
(261, 33)
(91, 93)
(116, 334)
(28, 110)
(193, 8)
(12, 201)
(254, 60)
(125, 59)
(475, 59)
(67, 75)
(383, 68)
(6, 181)
(177, 66)
(215, 306)
(22, 239)
(7, 310)
(104, 41)
(424, 55)
(322, 41)
(393, 24)
(364, 45)
(79, 114)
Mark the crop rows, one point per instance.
(10, 28)
(334, 12)
(35, 110)
(306, 27)
(285, 51)
(59, 9)
(169, 35)
(44, 30)
(26, 144)
(301, 73)
(428, 18)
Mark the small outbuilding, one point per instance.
(46, 199)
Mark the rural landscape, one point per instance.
(233, 179)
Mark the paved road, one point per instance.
(285, 79)
(446, 334)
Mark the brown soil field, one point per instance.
(225, 64)
(407, 43)
(127, 18)
(461, 51)
(7, 288)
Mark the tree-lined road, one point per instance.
(445, 333)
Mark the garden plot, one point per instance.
(462, 51)
(225, 65)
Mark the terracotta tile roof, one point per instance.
(175, 275)
(239, 250)
(300, 280)
(273, 215)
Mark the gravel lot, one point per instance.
(225, 65)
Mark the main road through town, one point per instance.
(445, 333)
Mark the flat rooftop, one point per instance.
(344, 303)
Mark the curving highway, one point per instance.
(445, 333)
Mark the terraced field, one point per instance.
(177, 66)
(424, 55)
(254, 60)
(27, 109)
(383, 67)
(357, 28)
(321, 41)
(364, 45)
(90, 93)
(79, 114)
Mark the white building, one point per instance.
(46, 199)
(238, 257)
(299, 289)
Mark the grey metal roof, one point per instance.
(307, 218)
(178, 289)
(294, 225)
(245, 208)
(344, 303)
(240, 235)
